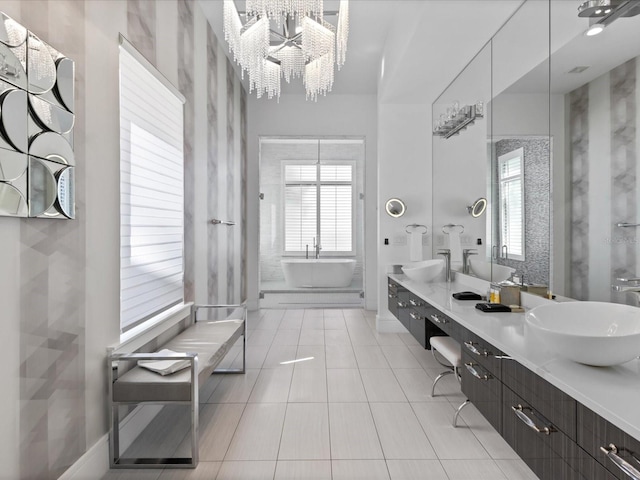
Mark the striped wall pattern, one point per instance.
(61, 338)
(604, 188)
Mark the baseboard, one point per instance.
(95, 462)
(389, 325)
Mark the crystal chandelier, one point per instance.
(287, 39)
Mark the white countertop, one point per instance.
(611, 392)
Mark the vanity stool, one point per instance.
(451, 351)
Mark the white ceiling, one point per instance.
(424, 43)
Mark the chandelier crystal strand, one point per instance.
(254, 48)
(232, 29)
(292, 62)
(317, 38)
(342, 34)
(318, 77)
(271, 80)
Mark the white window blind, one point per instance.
(151, 193)
(319, 206)
(511, 177)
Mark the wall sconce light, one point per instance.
(457, 119)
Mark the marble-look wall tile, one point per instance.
(186, 86)
(243, 195)
(230, 183)
(624, 160)
(579, 135)
(141, 27)
(212, 164)
(537, 170)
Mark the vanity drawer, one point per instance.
(483, 389)
(551, 402)
(442, 321)
(482, 352)
(421, 328)
(595, 432)
(552, 455)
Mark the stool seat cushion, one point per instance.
(448, 348)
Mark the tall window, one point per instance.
(511, 188)
(151, 190)
(318, 207)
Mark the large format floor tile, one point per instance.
(326, 397)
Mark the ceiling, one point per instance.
(424, 44)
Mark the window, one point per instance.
(511, 189)
(151, 191)
(318, 207)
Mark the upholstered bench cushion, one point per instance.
(448, 348)
(210, 340)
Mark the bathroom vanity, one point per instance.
(565, 420)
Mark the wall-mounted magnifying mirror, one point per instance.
(478, 207)
(395, 207)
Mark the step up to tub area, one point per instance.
(203, 344)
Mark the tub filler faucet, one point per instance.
(317, 248)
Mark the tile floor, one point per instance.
(355, 406)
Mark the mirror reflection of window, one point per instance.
(511, 190)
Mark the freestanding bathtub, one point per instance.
(318, 272)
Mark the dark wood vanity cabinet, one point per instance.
(556, 436)
(595, 433)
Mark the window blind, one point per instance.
(151, 194)
(319, 205)
(512, 203)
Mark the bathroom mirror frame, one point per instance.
(395, 207)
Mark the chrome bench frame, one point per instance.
(113, 359)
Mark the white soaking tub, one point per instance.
(318, 272)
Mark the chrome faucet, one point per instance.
(446, 253)
(466, 253)
(317, 248)
(628, 285)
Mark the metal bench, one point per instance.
(204, 343)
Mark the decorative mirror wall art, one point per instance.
(37, 163)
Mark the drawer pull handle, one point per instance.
(402, 305)
(622, 464)
(415, 304)
(415, 316)
(437, 319)
(391, 295)
(528, 421)
(473, 371)
(471, 346)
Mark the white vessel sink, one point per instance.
(423, 271)
(593, 333)
(492, 272)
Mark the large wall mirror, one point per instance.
(556, 152)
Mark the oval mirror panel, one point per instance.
(11, 32)
(12, 65)
(12, 165)
(12, 202)
(41, 71)
(50, 117)
(65, 202)
(53, 147)
(42, 188)
(13, 118)
(65, 68)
